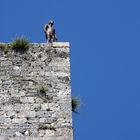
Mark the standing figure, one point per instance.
(50, 32)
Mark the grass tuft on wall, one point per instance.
(20, 44)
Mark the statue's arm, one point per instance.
(45, 27)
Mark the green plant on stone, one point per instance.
(20, 44)
(75, 104)
(42, 93)
(4, 48)
(45, 126)
(42, 89)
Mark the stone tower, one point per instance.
(35, 93)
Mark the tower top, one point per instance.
(35, 92)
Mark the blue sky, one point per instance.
(105, 58)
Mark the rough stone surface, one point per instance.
(35, 93)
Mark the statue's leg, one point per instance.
(46, 36)
(56, 39)
(53, 39)
(49, 39)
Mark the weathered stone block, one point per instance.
(19, 120)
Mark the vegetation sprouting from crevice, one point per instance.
(20, 44)
(4, 47)
(75, 104)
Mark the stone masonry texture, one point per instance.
(35, 93)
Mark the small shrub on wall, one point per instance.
(75, 104)
(4, 47)
(20, 44)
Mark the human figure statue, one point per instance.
(50, 32)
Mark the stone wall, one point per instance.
(35, 93)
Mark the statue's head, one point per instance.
(51, 22)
